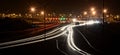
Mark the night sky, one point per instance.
(22, 6)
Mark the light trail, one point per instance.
(26, 39)
(70, 38)
(71, 43)
(40, 38)
(34, 39)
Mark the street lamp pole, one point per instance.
(93, 12)
(85, 14)
(32, 9)
(43, 14)
(103, 12)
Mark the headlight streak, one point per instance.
(71, 43)
(68, 39)
(32, 39)
(91, 22)
(36, 39)
(63, 28)
(27, 39)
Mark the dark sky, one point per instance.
(58, 5)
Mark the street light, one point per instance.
(105, 11)
(92, 9)
(85, 13)
(42, 12)
(32, 9)
(93, 12)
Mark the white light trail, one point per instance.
(71, 43)
(64, 27)
(34, 39)
(27, 39)
(91, 22)
(40, 40)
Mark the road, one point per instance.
(93, 39)
(66, 35)
(22, 44)
(96, 39)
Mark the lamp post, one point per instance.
(43, 14)
(104, 12)
(32, 9)
(85, 14)
(93, 12)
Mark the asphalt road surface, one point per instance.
(97, 39)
